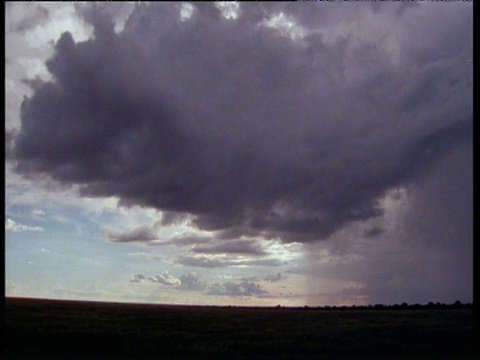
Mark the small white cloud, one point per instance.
(286, 25)
(39, 213)
(186, 11)
(11, 225)
(229, 10)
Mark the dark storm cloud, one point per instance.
(426, 256)
(249, 131)
(172, 218)
(373, 232)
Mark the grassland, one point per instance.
(48, 328)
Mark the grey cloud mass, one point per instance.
(245, 288)
(193, 282)
(222, 261)
(19, 23)
(166, 279)
(247, 247)
(374, 231)
(142, 234)
(246, 129)
(274, 278)
(138, 279)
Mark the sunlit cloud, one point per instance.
(11, 225)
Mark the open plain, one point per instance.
(46, 328)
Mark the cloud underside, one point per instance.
(235, 123)
(194, 282)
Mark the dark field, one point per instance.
(87, 329)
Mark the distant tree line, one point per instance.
(404, 306)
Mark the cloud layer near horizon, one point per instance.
(250, 131)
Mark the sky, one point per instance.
(305, 153)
